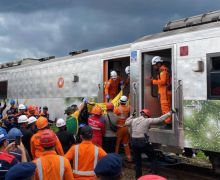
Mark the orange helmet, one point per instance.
(41, 122)
(146, 111)
(96, 110)
(31, 108)
(48, 138)
(109, 106)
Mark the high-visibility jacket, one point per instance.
(51, 166)
(37, 150)
(85, 157)
(112, 87)
(122, 112)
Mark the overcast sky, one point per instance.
(40, 28)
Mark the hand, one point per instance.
(21, 147)
(9, 146)
(134, 113)
(107, 96)
(122, 87)
(174, 110)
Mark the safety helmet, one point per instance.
(127, 70)
(60, 123)
(123, 99)
(146, 111)
(152, 177)
(22, 119)
(3, 134)
(109, 106)
(31, 108)
(114, 75)
(21, 107)
(13, 133)
(31, 120)
(48, 138)
(12, 102)
(156, 59)
(96, 110)
(41, 122)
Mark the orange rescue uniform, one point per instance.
(85, 157)
(53, 167)
(162, 82)
(37, 150)
(122, 134)
(112, 88)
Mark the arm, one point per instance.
(23, 152)
(107, 86)
(68, 174)
(102, 153)
(129, 121)
(159, 119)
(59, 148)
(162, 80)
(32, 147)
(70, 153)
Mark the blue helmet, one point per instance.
(3, 134)
(13, 133)
(12, 102)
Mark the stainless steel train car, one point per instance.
(191, 48)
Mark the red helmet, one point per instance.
(48, 138)
(96, 110)
(31, 108)
(147, 112)
(151, 177)
(109, 106)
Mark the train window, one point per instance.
(3, 89)
(213, 74)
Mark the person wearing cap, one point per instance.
(123, 111)
(109, 167)
(13, 108)
(36, 149)
(32, 124)
(49, 164)
(109, 139)
(22, 110)
(21, 171)
(15, 136)
(66, 138)
(85, 155)
(139, 137)
(32, 112)
(71, 120)
(126, 89)
(27, 134)
(97, 123)
(45, 113)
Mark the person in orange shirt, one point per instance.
(112, 86)
(50, 165)
(163, 81)
(85, 156)
(36, 149)
(32, 112)
(122, 134)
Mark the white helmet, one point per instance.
(21, 107)
(22, 119)
(156, 59)
(31, 120)
(127, 70)
(114, 75)
(123, 99)
(60, 123)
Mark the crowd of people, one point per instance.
(85, 145)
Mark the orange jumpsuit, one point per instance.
(112, 88)
(37, 150)
(162, 82)
(122, 133)
(84, 164)
(50, 165)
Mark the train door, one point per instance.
(119, 66)
(151, 97)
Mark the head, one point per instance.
(23, 121)
(12, 102)
(156, 62)
(31, 109)
(113, 75)
(48, 139)
(32, 122)
(61, 124)
(3, 139)
(145, 113)
(127, 70)
(109, 106)
(69, 111)
(86, 133)
(21, 108)
(123, 100)
(13, 134)
(96, 110)
(109, 167)
(45, 109)
(74, 108)
(42, 123)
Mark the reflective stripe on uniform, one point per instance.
(40, 172)
(87, 173)
(95, 128)
(122, 113)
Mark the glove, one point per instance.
(121, 82)
(107, 96)
(174, 110)
(85, 100)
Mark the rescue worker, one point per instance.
(21, 110)
(66, 138)
(122, 134)
(140, 142)
(85, 156)
(126, 89)
(45, 113)
(32, 112)
(96, 122)
(32, 124)
(109, 139)
(50, 165)
(71, 120)
(36, 149)
(13, 108)
(112, 86)
(162, 81)
(27, 134)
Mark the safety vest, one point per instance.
(123, 113)
(84, 173)
(40, 172)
